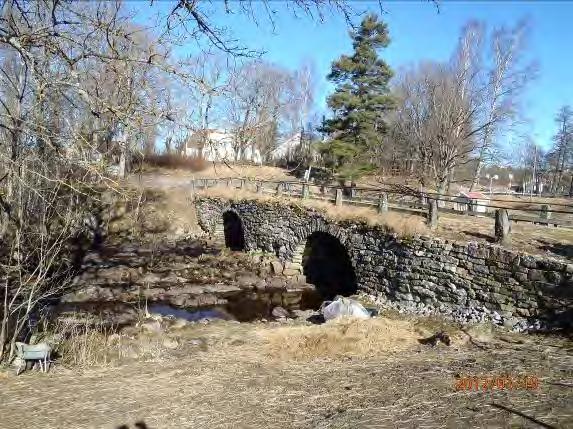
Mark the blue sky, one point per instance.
(419, 32)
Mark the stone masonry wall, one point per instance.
(467, 279)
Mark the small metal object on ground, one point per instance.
(30, 353)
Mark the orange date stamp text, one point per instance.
(502, 382)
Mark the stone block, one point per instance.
(536, 275)
(276, 267)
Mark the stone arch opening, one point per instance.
(326, 265)
(233, 231)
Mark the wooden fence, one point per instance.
(384, 200)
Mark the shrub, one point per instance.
(175, 161)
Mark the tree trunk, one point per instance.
(477, 173)
(123, 157)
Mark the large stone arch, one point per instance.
(326, 260)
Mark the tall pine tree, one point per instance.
(359, 102)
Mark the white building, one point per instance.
(472, 202)
(286, 147)
(220, 147)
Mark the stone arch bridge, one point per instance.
(345, 257)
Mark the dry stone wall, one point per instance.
(470, 281)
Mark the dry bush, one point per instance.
(175, 161)
(85, 344)
(94, 343)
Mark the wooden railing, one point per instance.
(384, 200)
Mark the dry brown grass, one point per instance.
(93, 343)
(236, 383)
(216, 171)
(85, 345)
(340, 338)
(149, 212)
(171, 161)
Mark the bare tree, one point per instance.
(81, 88)
(561, 155)
(71, 75)
(504, 82)
(255, 101)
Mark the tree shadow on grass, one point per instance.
(136, 425)
(480, 235)
(560, 249)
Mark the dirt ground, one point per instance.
(362, 374)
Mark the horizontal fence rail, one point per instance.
(409, 201)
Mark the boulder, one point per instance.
(279, 313)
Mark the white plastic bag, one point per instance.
(341, 307)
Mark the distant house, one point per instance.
(471, 201)
(219, 146)
(286, 147)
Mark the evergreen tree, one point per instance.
(359, 102)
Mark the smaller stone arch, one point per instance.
(230, 229)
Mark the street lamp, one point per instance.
(491, 179)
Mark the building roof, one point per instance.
(474, 195)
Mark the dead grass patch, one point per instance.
(340, 338)
(172, 161)
(217, 171)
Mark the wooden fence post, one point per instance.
(502, 226)
(383, 203)
(353, 191)
(192, 186)
(545, 212)
(279, 188)
(305, 190)
(432, 213)
(338, 200)
(259, 188)
(229, 183)
(242, 183)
